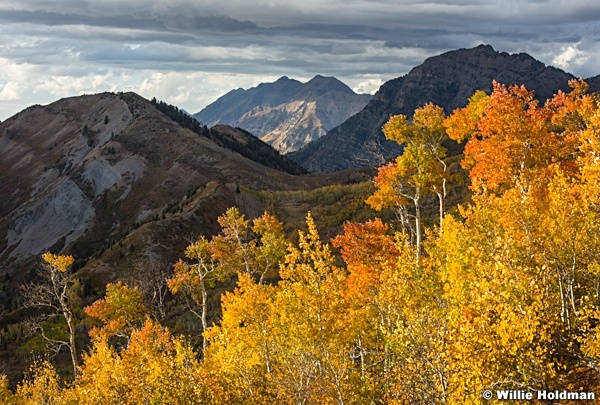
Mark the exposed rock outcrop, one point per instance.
(286, 114)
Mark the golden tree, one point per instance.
(420, 169)
(56, 295)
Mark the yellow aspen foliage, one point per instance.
(371, 254)
(6, 396)
(194, 279)
(121, 311)
(58, 262)
(419, 171)
(102, 378)
(520, 273)
(414, 331)
(155, 368)
(269, 250)
(161, 368)
(256, 250)
(288, 343)
(462, 123)
(230, 248)
(40, 386)
(312, 340)
(241, 349)
(498, 324)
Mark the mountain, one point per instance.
(287, 114)
(124, 185)
(446, 80)
(594, 83)
(79, 174)
(237, 140)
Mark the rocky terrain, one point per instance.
(287, 114)
(81, 174)
(446, 80)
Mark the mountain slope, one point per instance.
(78, 173)
(594, 83)
(446, 80)
(237, 140)
(287, 114)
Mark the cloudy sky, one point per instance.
(190, 52)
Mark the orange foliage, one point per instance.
(512, 140)
(366, 249)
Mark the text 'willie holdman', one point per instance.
(539, 395)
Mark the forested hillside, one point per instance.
(499, 293)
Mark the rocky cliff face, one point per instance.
(52, 168)
(446, 80)
(286, 114)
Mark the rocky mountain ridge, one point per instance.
(287, 114)
(79, 173)
(446, 80)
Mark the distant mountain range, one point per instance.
(81, 174)
(287, 114)
(446, 80)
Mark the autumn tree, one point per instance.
(120, 311)
(41, 385)
(370, 252)
(195, 278)
(290, 343)
(6, 396)
(241, 350)
(56, 296)
(155, 367)
(312, 342)
(520, 271)
(256, 250)
(511, 138)
(420, 169)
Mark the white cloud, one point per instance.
(368, 86)
(193, 91)
(570, 57)
(10, 91)
(179, 52)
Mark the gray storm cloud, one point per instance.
(191, 52)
